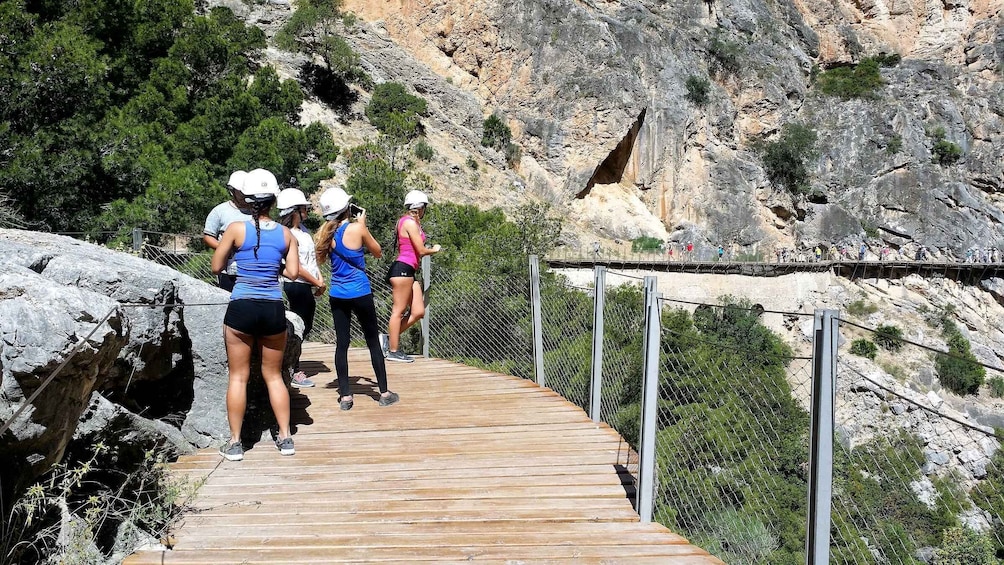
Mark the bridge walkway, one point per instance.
(469, 466)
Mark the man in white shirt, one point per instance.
(217, 221)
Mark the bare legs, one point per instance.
(239, 359)
(406, 291)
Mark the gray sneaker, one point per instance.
(285, 446)
(232, 451)
(391, 398)
(399, 357)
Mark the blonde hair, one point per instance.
(324, 239)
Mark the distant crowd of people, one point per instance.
(676, 251)
(258, 258)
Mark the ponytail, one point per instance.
(324, 239)
(260, 209)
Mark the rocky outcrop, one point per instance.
(153, 373)
(595, 94)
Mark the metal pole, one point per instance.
(650, 403)
(538, 329)
(596, 380)
(824, 370)
(137, 240)
(426, 281)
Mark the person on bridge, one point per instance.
(255, 313)
(344, 239)
(218, 220)
(408, 303)
(300, 292)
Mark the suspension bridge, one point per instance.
(469, 466)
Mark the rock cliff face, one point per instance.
(139, 376)
(595, 95)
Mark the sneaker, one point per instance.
(385, 344)
(285, 446)
(300, 380)
(391, 398)
(399, 357)
(232, 451)
(345, 404)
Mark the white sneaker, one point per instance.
(385, 344)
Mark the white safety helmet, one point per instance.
(334, 201)
(259, 186)
(289, 199)
(236, 180)
(415, 199)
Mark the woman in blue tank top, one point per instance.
(344, 243)
(256, 311)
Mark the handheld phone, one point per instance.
(355, 211)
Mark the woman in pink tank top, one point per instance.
(406, 290)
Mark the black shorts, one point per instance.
(258, 318)
(399, 269)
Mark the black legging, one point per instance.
(301, 303)
(341, 314)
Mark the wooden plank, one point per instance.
(356, 553)
(470, 466)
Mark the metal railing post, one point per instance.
(650, 402)
(137, 240)
(596, 377)
(824, 369)
(426, 281)
(538, 327)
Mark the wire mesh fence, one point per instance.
(480, 315)
(910, 472)
(567, 333)
(731, 445)
(731, 427)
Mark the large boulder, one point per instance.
(159, 358)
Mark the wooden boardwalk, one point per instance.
(469, 466)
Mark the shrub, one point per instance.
(472, 162)
(860, 308)
(959, 371)
(944, 152)
(513, 153)
(853, 81)
(889, 337)
(395, 112)
(888, 59)
(645, 243)
(864, 348)
(724, 57)
(894, 144)
(963, 546)
(785, 160)
(424, 151)
(697, 90)
(996, 387)
(497, 134)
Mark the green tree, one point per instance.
(959, 371)
(697, 90)
(497, 134)
(786, 160)
(889, 337)
(395, 112)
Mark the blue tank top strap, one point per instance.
(348, 269)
